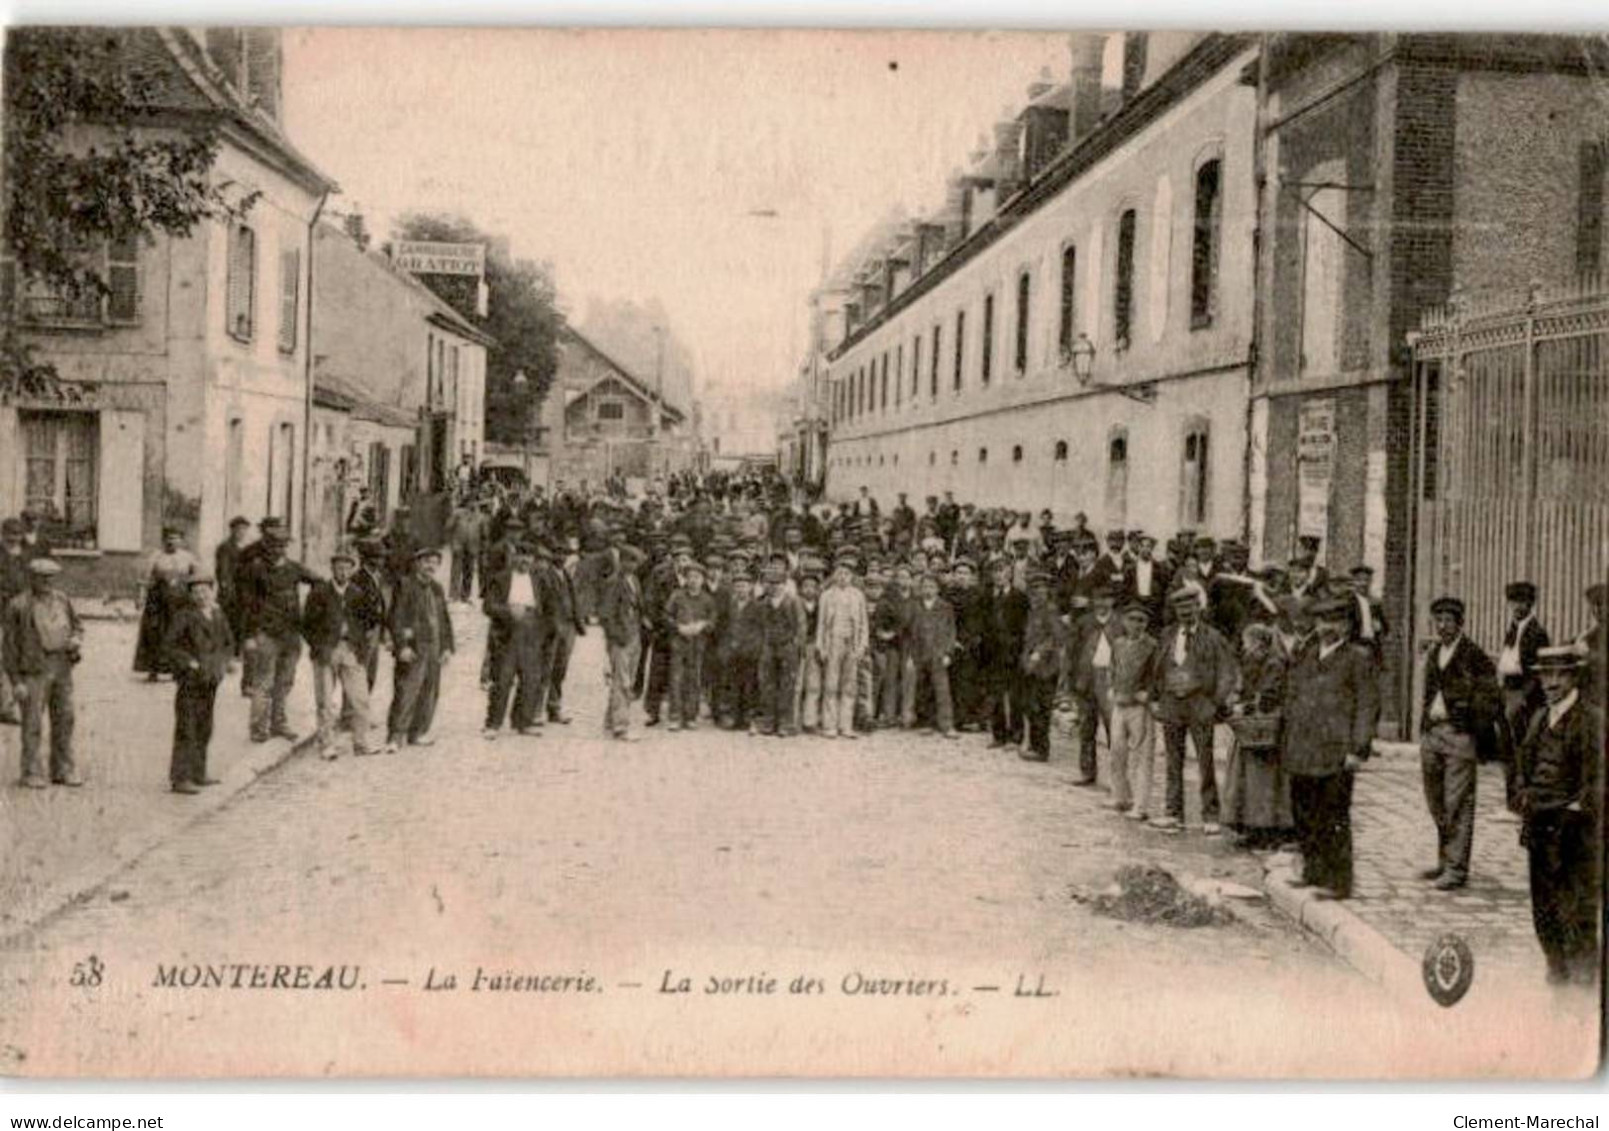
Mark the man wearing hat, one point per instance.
(782, 640)
(250, 554)
(1042, 664)
(422, 637)
(1147, 580)
(561, 624)
(43, 640)
(664, 579)
(1330, 697)
(340, 623)
(513, 601)
(226, 568)
(371, 576)
(1516, 672)
(692, 611)
(621, 616)
(843, 635)
(1460, 706)
(1369, 626)
(1090, 669)
(1110, 568)
(1195, 676)
(272, 620)
(200, 648)
(1560, 798)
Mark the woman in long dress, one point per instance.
(1257, 801)
(165, 594)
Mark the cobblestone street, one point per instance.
(693, 854)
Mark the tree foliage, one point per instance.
(87, 161)
(522, 314)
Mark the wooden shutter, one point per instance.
(120, 501)
(290, 289)
(123, 277)
(10, 461)
(242, 282)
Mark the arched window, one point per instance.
(988, 336)
(955, 457)
(1024, 293)
(983, 455)
(1123, 285)
(1066, 328)
(1061, 451)
(1016, 453)
(1117, 478)
(1195, 476)
(1204, 249)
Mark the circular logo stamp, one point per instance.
(1449, 968)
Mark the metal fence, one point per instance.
(1512, 474)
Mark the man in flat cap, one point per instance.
(1195, 675)
(43, 641)
(1516, 672)
(1560, 797)
(422, 637)
(1369, 627)
(340, 622)
(272, 620)
(226, 568)
(200, 647)
(1460, 706)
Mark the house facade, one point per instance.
(1403, 203)
(1073, 331)
(183, 396)
(411, 371)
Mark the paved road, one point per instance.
(931, 870)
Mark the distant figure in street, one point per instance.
(340, 623)
(1560, 797)
(1460, 705)
(43, 641)
(1330, 698)
(200, 651)
(422, 637)
(226, 568)
(166, 591)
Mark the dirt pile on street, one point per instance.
(1145, 893)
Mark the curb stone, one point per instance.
(78, 889)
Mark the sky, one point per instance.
(711, 169)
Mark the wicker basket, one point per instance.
(1257, 732)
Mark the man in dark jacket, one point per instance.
(271, 617)
(967, 600)
(561, 624)
(422, 636)
(782, 619)
(1195, 679)
(1090, 671)
(200, 646)
(1560, 797)
(1516, 674)
(1043, 664)
(1460, 706)
(1005, 613)
(226, 568)
(932, 644)
(620, 615)
(339, 623)
(1330, 695)
(515, 605)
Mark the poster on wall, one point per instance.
(1315, 470)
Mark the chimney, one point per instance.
(1007, 159)
(1043, 125)
(957, 206)
(1134, 44)
(1085, 95)
(264, 63)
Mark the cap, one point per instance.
(1115, 537)
(1205, 543)
(695, 566)
(1331, 608)
(1523, 591)
(44, 567)
(1561, 657)
(1450, 605)
(1182, 597)
(426, 552)
(239, 520)
(1362, 571)
(1135, 608)
(343, 553)
(370, 547)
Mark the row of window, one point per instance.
(867, 389)
(1194, 469)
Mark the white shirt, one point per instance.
(1325, 651)
(1181, 645)
(1557, 711)
(1444, 656)
(520, 593)
(1508, 660)
(1142, 577)
(1103, 647)
(1365, 617)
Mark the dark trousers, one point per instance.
(1518, 703)
(1564, 893)
(464, 562)
(967, 686)
(686, 677)
(1094, 711)
(779, 677)
(1322, 810)
(48, 693)
(517, 671)
(1199, 732)
(1447, 763)
(193, 703)
(888, 675)
(555, 666)
(736, 687)
(413, 699)
(1038, 695)
(658, 676)
(1006, 706)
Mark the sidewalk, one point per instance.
(1393, 915)
(57, 845)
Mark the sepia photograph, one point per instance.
(934, 554)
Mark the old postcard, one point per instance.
(714, 553)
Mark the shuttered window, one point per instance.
(242, 283)
(123, 279)
(59, 477)
(290, 291)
